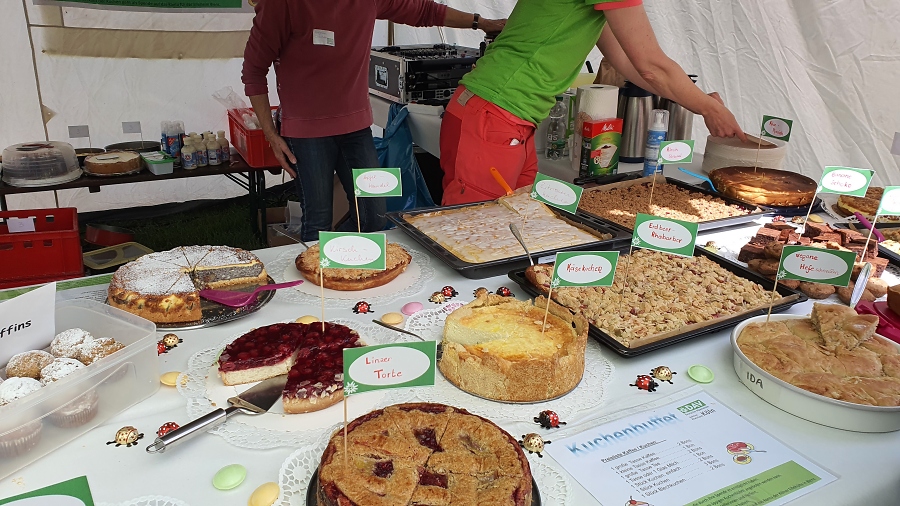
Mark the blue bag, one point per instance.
(395, 149)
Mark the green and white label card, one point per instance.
(676, 152)
(348, 250)
(664, 234)
(890, 201)
(584, 268)
(556, 192)
(377, 183)
(398, 365)
(845, 181)
(777, 128)
(831, 267)
(74, 492)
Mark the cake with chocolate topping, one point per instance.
(164, 287)
(420, 453)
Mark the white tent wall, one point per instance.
(832, 67)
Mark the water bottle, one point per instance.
(556, 130)
(659, 125)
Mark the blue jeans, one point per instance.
(318, 159)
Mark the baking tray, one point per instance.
(789, 298)
(807, 405)
(503, 266)
(786, 211)
(312, 500)
(755, 211)
(892, 256)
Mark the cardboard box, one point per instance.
(600, 141)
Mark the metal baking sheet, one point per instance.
(786, 211)
(892, 256)
(793, 296)
(754, 210)
(312, 500)
(503, 266)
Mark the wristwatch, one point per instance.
(475, 21)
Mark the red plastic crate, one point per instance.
(50, 253)
(251, 144)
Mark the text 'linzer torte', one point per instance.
(164, 287)
(762, 186)
(418, 454)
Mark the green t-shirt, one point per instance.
(537, 56)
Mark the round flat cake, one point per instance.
(867, 206)
(762, 186)
(112, 163)
(420, 453)
(396, 261)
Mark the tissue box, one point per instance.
(158, 162)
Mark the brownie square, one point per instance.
(830, 237)
(751, 251)
(879, 265)
(767, 235)
(804, 241)
(785, 234)
(779, 225)
(814, 229)
(794, 238)
(848, 235)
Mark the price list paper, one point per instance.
(694, 451)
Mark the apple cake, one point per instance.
(396, 261)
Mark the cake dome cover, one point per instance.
(40, 164)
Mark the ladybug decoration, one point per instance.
(534, 443)
(548, 420)
(448, 292)
(362, 307)
(633, 502)
(171, 341)
(127, 436)
(161, 348)
(644, 382)
(504, 292)
(663, 373)
(480, 291)
(437, 298)
(166, 428)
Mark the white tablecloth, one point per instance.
(866, 464)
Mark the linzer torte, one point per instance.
(417, 454)
(164, 287)
(762, 186)
(312, 359)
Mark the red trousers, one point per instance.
(477, 135)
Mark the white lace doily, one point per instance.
(297, 471)
(590, 393)
(192, 385)
(155, 500)
(277, 268)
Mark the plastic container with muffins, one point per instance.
(807, 405)
(38, 423)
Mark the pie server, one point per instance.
(440, 346)
(254, 401)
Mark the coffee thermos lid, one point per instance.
(633, 90)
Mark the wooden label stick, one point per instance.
(345, 431)
(356, 203)
(772, 299)
(758, 146)
(322, 292)
(808, 212)
(862, 257)
(547, 309)
(652, 187)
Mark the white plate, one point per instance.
(807, 405)
(400, 283)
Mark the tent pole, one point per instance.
(37, 79)
(390, 32)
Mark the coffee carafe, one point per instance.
(681, 120)
(635, 105)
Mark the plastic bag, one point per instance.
(232, 101)
(395, 149)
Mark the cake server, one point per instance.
(699, 176)
(254, 401)
(515, 231)
(440, 346)
(241, 299)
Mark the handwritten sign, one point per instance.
(556, 193)
(131, 127)
(377, 183)
(26, 322)
(777, 128)
(585, 268)
(398, 365)
(676, 152)
(815, 265)
(17, 225)
(664, 234)
(79, 131)
(845, 181)
(346, 250)
(890, 201)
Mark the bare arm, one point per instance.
(263, 112)
(459, 19)
(631, 38)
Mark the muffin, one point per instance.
(59, 369)
(90, 351)
(28, 364)
(20, 440)
(16, 388)
(66, 343)
(78, 412)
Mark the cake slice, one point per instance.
(316, 380)
(841, 327)
(222, 268)
(261, 354)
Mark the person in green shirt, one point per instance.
(491, 119)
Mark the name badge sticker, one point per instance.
(323, 38)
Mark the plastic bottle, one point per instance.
(188, 155)
(659, 125)
(556, 130)
(225, 155)
(178, 127)
(213, 150)
(202, 155)
(163, 137)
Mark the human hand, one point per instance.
(491, 25)
(282, 153)
(720, 122)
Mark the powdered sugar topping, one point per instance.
(16, 388)
(59, 369)
(65, 343)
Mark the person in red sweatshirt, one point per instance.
(321, 57)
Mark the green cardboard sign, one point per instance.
(347, 250)
(890, 201)
(377, 183)
(74, 492)
(845, 181)
(777, 128)
(556, 193)
(398, 365)
(664, 234)
(676, 152)
(816, 265)
(584, 268)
